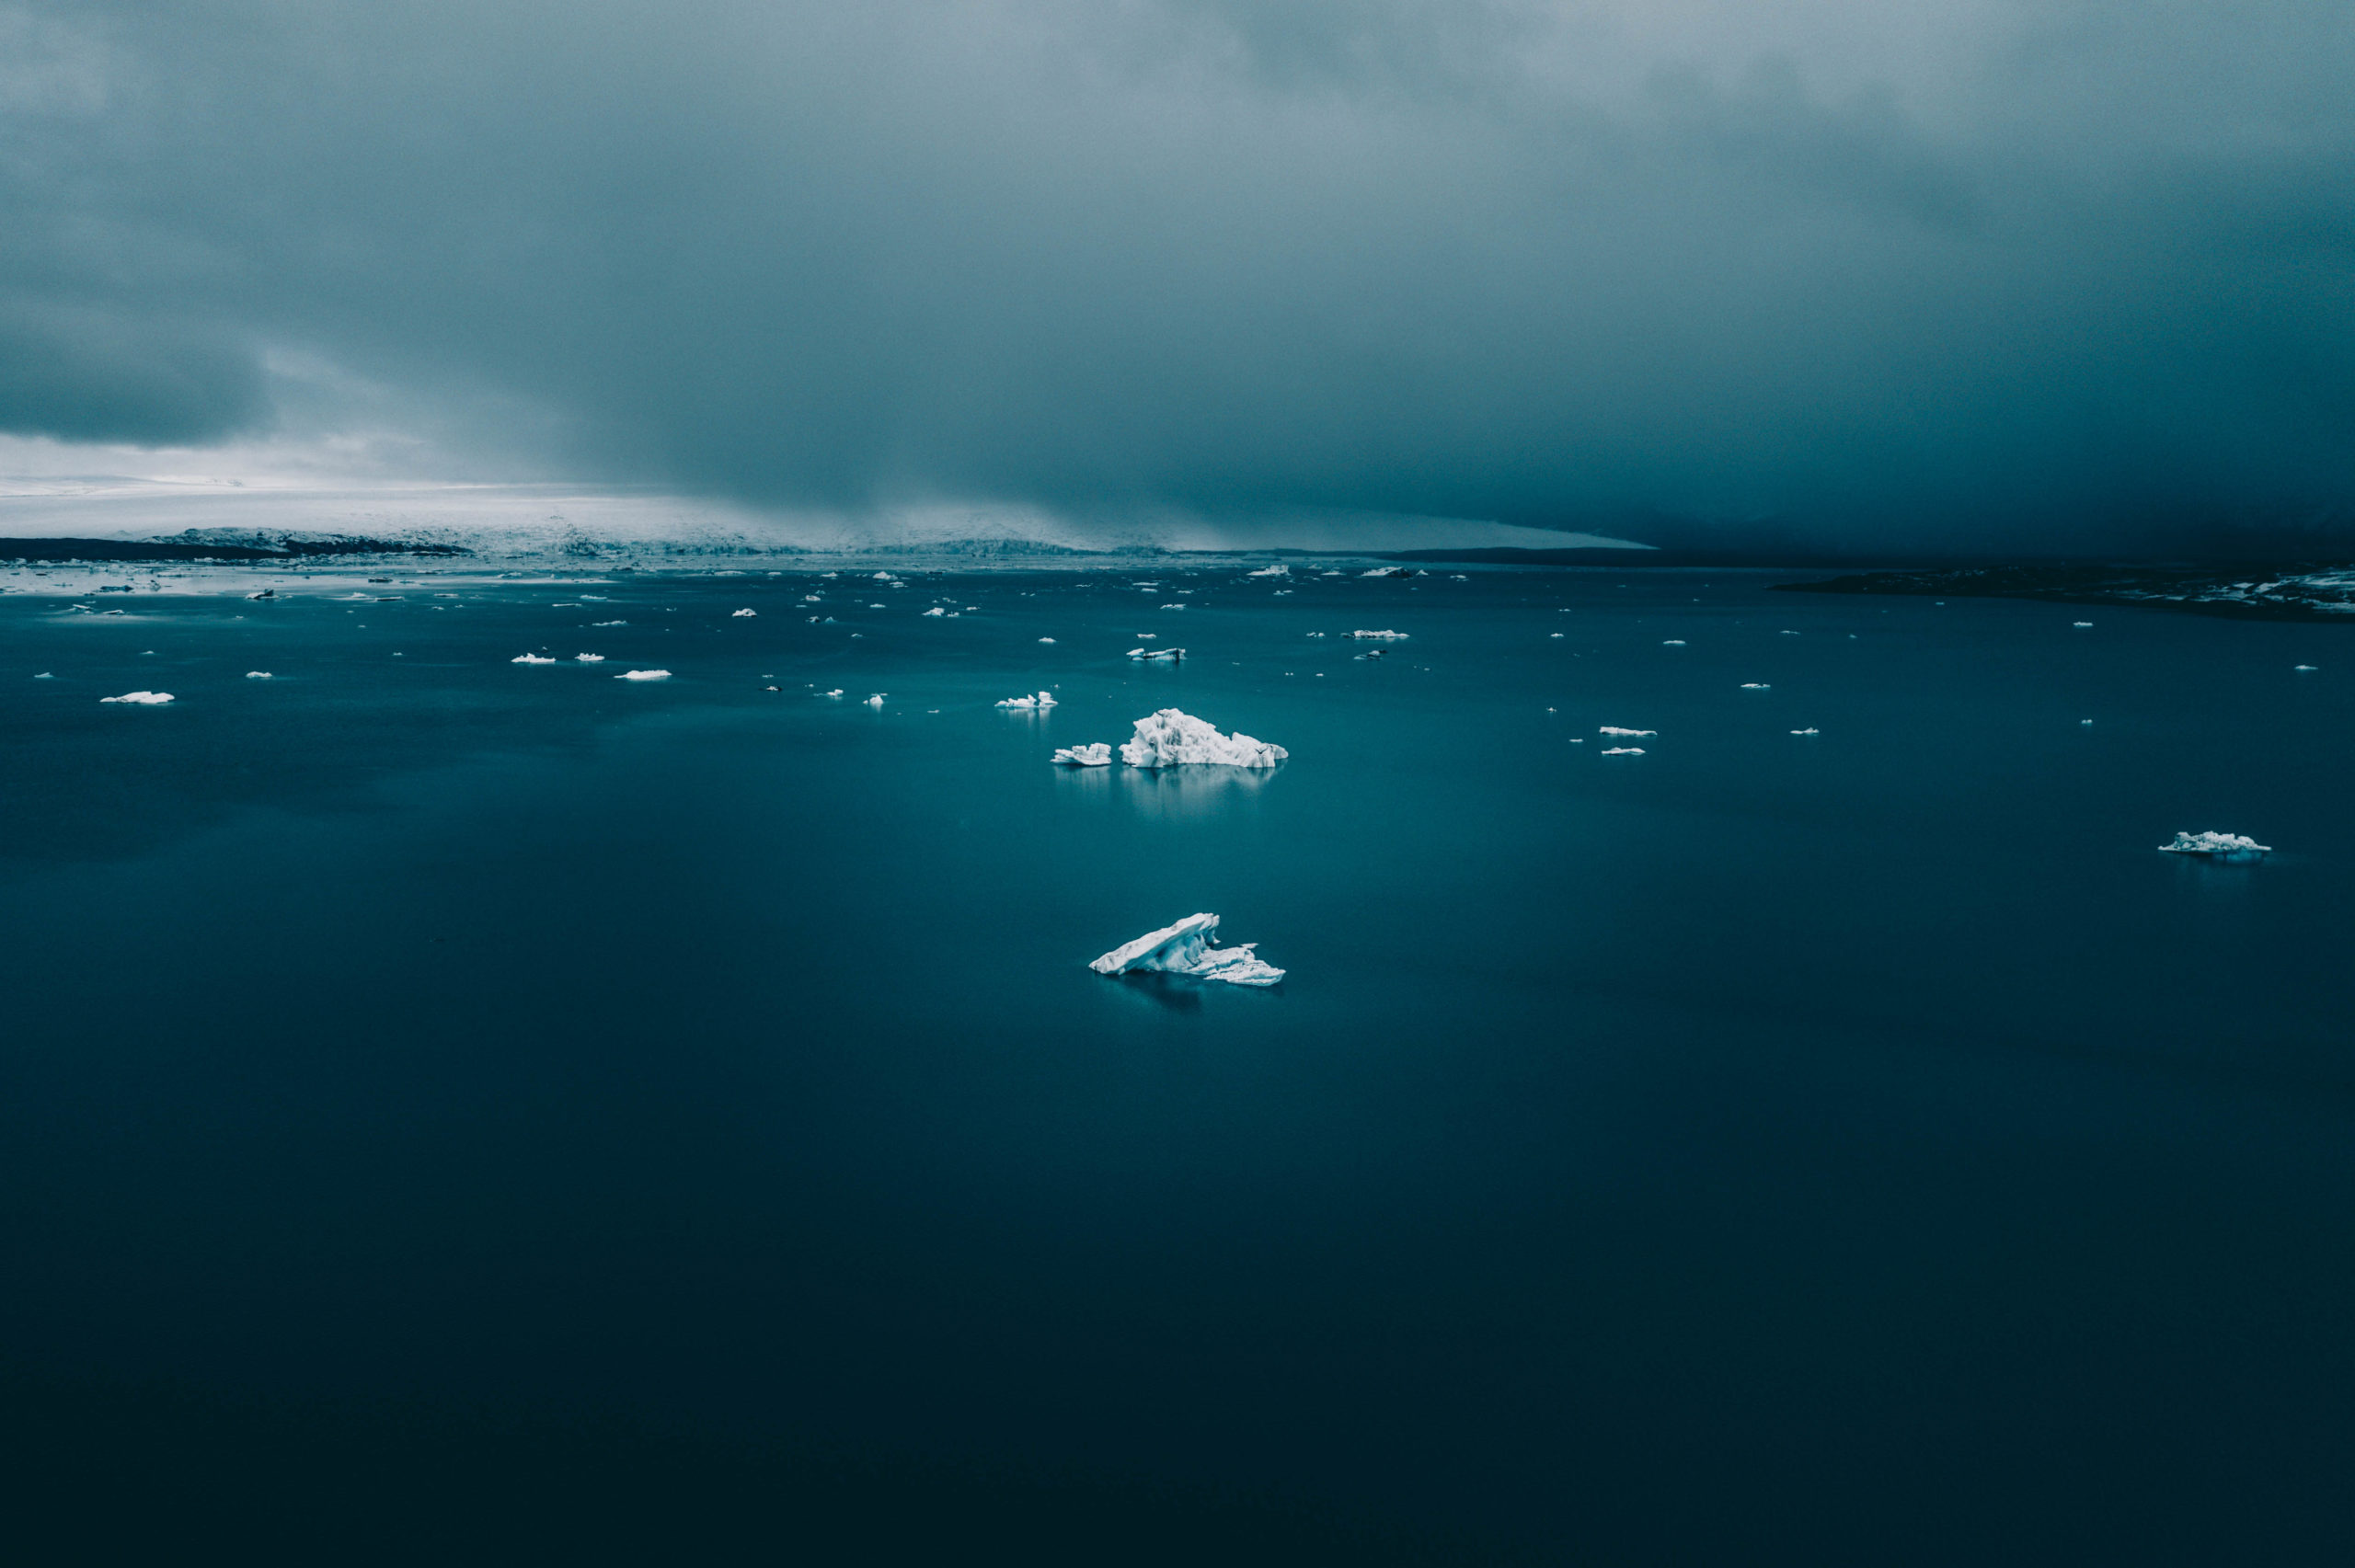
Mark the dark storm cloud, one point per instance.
(1915, 272)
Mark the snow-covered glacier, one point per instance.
(1185, 949)
(1170, 738)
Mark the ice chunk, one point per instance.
(1380, 637)
(531, 659)
(1042, 700)
(1756, 686)
(1390, 572)
(1172, 654)
(589, 658)
(263, 594)
(142, 699)
(2304, 669)
(1278, 571)
(875, 699)
(45, 675)
(1173, 607)
(1185, 949)
(1097, 754)
(935, 610)
(2219, 846)
(609, 623)
(1672, 642)
(1623, 750)
(258, 675)
(1046, 639)
(742, 614)
(1808, 731)
(2080, 625)
(643, 675)
(1170, 738)
(837, 692)
(880, 577)
(1614, 730)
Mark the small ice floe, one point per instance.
(1277, 571)
(1756, 686)
(1813, 731)
(1623, 751)
(142, 699)
(643, 675)
(1173, 607)
(260, 675)
(1380, 637)
(1554, 635)
(1313, 634)
(531, 659)
(263, 594)
(2217, 846)
(2085, 721)
(936, 612)
(1672, 642)
(1185, 949)
(813, 599)
(594, 598)
(830, 576)
(2082, 626)
(589, 658)
(1047, 640)
(1787, 633)
(1171, 653)
(1037, 700)
(837, 693)
(1631, 734)
(44, 675)
(875, 699)
(1170, 738)
(1097, 754)
(885, 576)
(1390, 572)
(2304, 669)
(875, 607)
(742, 614)
(609, 623)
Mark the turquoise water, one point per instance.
(1858, 1145)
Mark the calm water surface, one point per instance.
(1852, 1146)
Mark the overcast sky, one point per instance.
(2050, 273)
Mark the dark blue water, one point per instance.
(1853, 1147)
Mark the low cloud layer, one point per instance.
(2068, 276)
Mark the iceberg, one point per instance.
(258, 675)
(1380, 637)
(1170, 738)
(2304, 669)
(742, 614)
(643, 675)
(588, 659)
(142, 699)
(1623, 750)
(2082, 626)
(1185, 949)
(1096, 755)
(835, 692)
(1043, 700)
(1813, 731)
(1276, 571)
(531, 659)
(1756, 686)
(1172, 654)
(875, 699)
(1672, 642)
(1388, 572)
(936, 610)
(1046, 639)
(1614, 730)
(2218, 846)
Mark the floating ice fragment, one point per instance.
(531, 659)
(2303, 668)
(1556, 633)
(258, 675)
(142, 699)
(2221, 846)
(875, 699)
(1046, 639)
(1787, 633)
(880, 577)
(44, 675)
(1042, 700)
(609, 623)
(1277, 571)
(1173, 607)
(1623, 750)
(1390, 572)
(1672, 642)
(1096, 754)
(263, 594)
(1171, 738)
(643, 675)
(836, 692)
(1172, 654)
(589, 658)
(1184, 949)
(1809, 731)
(935, 610)
(2082, 626)
(1380, 637)
(742, 614)
(1614, 730)
(1756, 686)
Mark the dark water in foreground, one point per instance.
(454, 1102)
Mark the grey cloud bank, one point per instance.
(1975, 274)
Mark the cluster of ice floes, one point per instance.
(1380, 637)
(1172, 654)
(588, 659)
(1040, 700)
(142, 699)
(1169, 739)
(1185, 949)
(1097, 754)
(2217, 846)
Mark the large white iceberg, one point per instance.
(1380, 637)
(1185, 949)
(1043, 700)
(531, 659)
(1170, 738)
(2221, 846)
(643, 675)
(157, 699)
(1096, 754)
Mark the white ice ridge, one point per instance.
(742, 614)
(1169, 653)
(1614, 730)
(530, 658)
(2222, 846)
(643, 675)
(143, 699)
(1097, 754)
(1043, 700)
(1185, 949)
(1380, 636)
(1279, 571)
(258, 675)
(1170, 738)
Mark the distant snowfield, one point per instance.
(545, 520)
